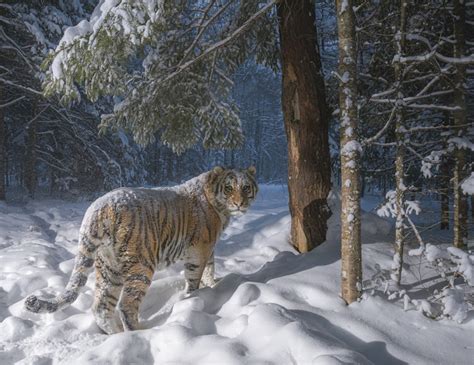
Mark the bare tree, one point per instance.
(460, 200)
(306, 122)
(351, 259)
(3, 151)
(400, 149)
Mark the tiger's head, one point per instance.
(232, 191)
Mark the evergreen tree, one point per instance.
(44, 142)
(168, 65)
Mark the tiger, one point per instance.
(129, 233)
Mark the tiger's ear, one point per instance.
(218, 170)
(252, 170)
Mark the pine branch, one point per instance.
(217, 45)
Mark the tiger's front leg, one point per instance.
(208, 276)
(195, 262)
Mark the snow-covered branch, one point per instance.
(465, 60)
(217, 45)
(407, 100)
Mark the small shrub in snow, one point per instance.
(456, 275)
(390, 209)
(452, 263)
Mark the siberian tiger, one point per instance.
(129, 232)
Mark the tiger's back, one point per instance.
(153, 225)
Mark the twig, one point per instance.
(12, 102)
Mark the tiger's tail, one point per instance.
(82, 267)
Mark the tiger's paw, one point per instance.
(210, 282)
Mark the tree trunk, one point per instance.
(444, 185)
(460, 200)
(30, 158)
(169, 164)
(351, 259)
(472, 208)
(400, 153)
(444, 192)
(2, 150)
(258, 138)
(306, 118)
(157, 165)
(232, 159)
(384, 182)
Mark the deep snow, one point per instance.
(271, 307)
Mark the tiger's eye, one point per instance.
(228, 189)
(246, 189)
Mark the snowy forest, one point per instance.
(355, 119)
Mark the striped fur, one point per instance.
(129, 232)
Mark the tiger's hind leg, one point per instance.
(108, 286)
(137, 282)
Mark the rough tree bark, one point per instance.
(444, 192)
(472, 208)
(2, 150)
(400, 152)
(460, 200)
(351, 258)
(306, 118)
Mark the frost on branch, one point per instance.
(461, 142)
(430, 161)
(389, 208)
(433, 160)
(412, 206)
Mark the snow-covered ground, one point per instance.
(272, 306)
